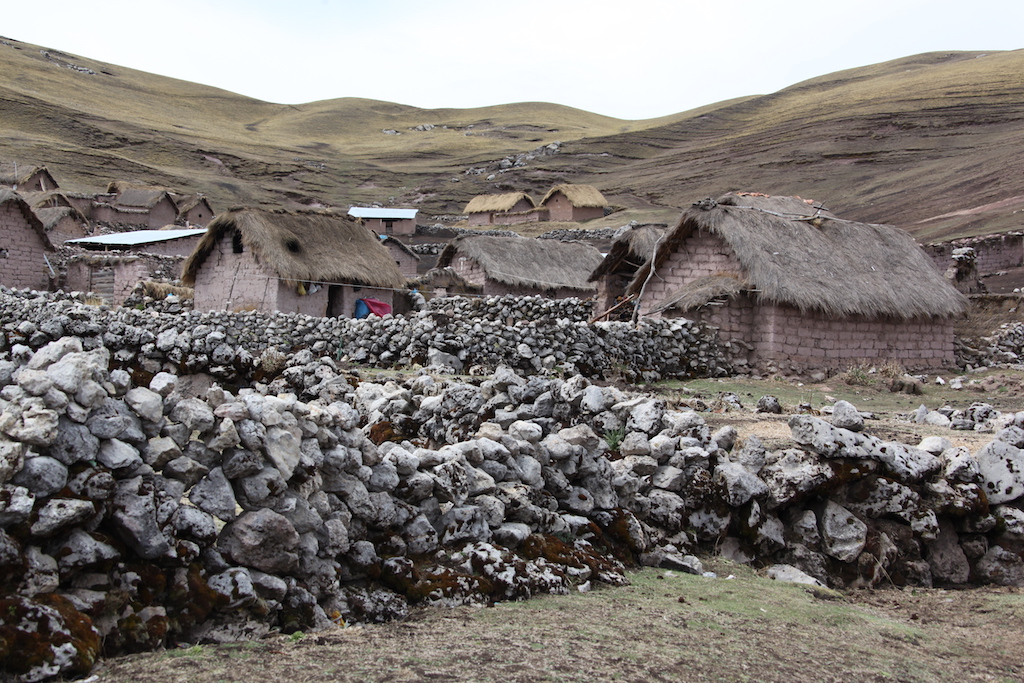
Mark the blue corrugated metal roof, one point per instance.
(369, 212)
(137, 237)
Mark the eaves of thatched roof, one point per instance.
(580, 196)
(52, 215)
(796, 254)
(12, 176)
(486, 203)
(527, 262)
(304, 246)
(630, 250)
(13, 198)
(388, 240)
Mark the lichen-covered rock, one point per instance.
(1002, 471)
(261, 539)
(45, 637)
(842, 534)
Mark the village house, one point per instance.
(794, 289)
(628, 252)
(168, 241)
(405, 258)
(193, 209)
(26, 179)
(386, 221)
(23, 252)
(60, 218)
(124, 205)
(573, 203)
(502, 209)
(521, 266)
(313, 262)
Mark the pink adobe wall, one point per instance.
(699, 255)
(529, 216)
(559, 207)
(21, 259)
(162, 213)
(994, 252)
(234, 282)
(67, 228)
(198, 215)
(405, 226)
(480, 218)
(407, 264)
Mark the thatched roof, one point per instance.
(800, 255)
(630, 250)
(13, 176)
(526, 262)
(388, 240)
(145, 199)
(447, 278)
(486, 203)
(307, 246)
(12, 197)
(702, 291)
(580, 196)
(46, 200)
(187, 202)
(51, 215)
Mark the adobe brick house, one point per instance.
(792, 288)
(313, 262)
(165, 242)
(502, 209)
(122, 204)
(193, 209)
(573, 203)
(27, 179)
(521, 266)
(405, 258)
(23, 252)
(112, 276)
(386, 221)
(628, 252)
(58, 214)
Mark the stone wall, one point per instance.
(141, 515)
(994, 252)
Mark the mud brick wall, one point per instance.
(701, 254)
(21, 259)
(234, 282)
(995, 252)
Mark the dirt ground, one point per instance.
(664, 627)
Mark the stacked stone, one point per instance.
(565, 234)
(1005, 346)
(148, 515)
(532, 334)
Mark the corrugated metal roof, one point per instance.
(369, 212)
(137, 237)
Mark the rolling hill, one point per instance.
(933, 143)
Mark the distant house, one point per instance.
(501, 209)
(312, 262)
(27, 179)
(386, 221)
(791, 288)
(193, 209)
(574, 203)
(405, 258)
(112, 276)
(61, 219)
(522, 266)
(24, 249)
(447, 282)
(628, 253)
(124, 205)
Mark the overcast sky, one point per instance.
(634, 59)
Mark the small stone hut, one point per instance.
(386, 221)
(522, 266)
(628, 253)
(502, 209)
(793, 288)
(24, 249)
(313, 262)
(573, 203)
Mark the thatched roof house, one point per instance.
(23, 260)
(522, 266)
(501, 209)
(574, 203)
(194, 209)
(313, 262)
(27, 178)
(138, 206)
(798, 288)
(405, 258)
(630, 250)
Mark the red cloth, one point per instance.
(377, 307)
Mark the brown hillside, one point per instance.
(933, 143)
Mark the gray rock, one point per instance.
(787, 572)
(195, 524)
(59, 513)
(213, 494)
(185, 470)
(134, 518)
(740, 486)
(81, 550)
(11, 459)
(420, 536)
(1001, 567)
(948, 562)
(1002, 471)
(41, 574)
(284, 450)
(465, 523)
(262, 539)
(16, 504)
(451, 481)
(846, 416)
(42, 475)
(119, 456)
(842, 534)
(646, 417)
(74, 443)
(792, 474)
(194, 414)
(769, 404)
(146, 403)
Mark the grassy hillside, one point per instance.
(933, 143)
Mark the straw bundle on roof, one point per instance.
(307, 246)
(795, 254)
(630, 250)
(524, 262)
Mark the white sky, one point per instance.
(633, 60)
